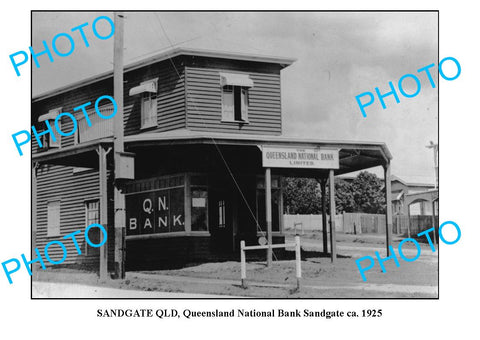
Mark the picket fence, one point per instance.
(359, 223)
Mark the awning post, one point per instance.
(388, 209)
(323, 189)
(333, 246)
(102, 169)
(268, 210)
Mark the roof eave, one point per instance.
(284, 62)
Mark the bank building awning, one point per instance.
(149, 86)
(235, 79)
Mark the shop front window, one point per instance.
(199, 209)
(158, 208)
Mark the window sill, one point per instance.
(80, 170)
(54, 236)
(143, 128)
(168, 235)
(235, 121)
(274, 233)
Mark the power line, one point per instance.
(213, 140)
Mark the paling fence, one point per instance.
(360, 223)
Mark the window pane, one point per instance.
(53, 218)
(237, 102)
(177, 209)
(227, 103)
(149, 111)
(221, 214)
(244, 104)
(199, 210)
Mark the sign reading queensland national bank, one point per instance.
(310, 158)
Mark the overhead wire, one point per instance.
(258, 227)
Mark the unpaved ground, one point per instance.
(320, 278)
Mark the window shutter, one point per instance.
(244, 101)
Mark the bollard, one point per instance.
(298, 260)
(243, 264)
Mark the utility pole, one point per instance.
(119, 198)
(435, 160)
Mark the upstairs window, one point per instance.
(47, 139)
(148, 92)
(235, 97)
(235, 104)
(149, 111)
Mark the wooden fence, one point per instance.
(358, 223)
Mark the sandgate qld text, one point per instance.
(238, 313)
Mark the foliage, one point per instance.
(302, 196)
(368, 193)
(364, 194)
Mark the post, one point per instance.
(333, 246)
(34, 217)
(243, 264)
(433, 225)
(388, 210)
(323, 187)
(102, 169)
(119, 198)
(268, 210)
(408, 224)
(298, 261)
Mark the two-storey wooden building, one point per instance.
(205, 128)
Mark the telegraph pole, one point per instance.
(119, 198)
(435, 160)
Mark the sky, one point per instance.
(339, 55)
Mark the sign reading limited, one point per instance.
(284, 157)
(159, 211)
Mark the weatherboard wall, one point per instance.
(204, 96)
(170, 101)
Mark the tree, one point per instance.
(302, 196)
(368, 193)
(344, 198)
(364, 194)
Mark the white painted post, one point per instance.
(243, 264)
(298, 261)
(268, 212)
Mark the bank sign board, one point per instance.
(159, 211)
(309, 158)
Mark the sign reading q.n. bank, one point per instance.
(285, 157)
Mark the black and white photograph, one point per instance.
(251, 161)
(219, 170)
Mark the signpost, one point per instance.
(312, 158)
(290, 157)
